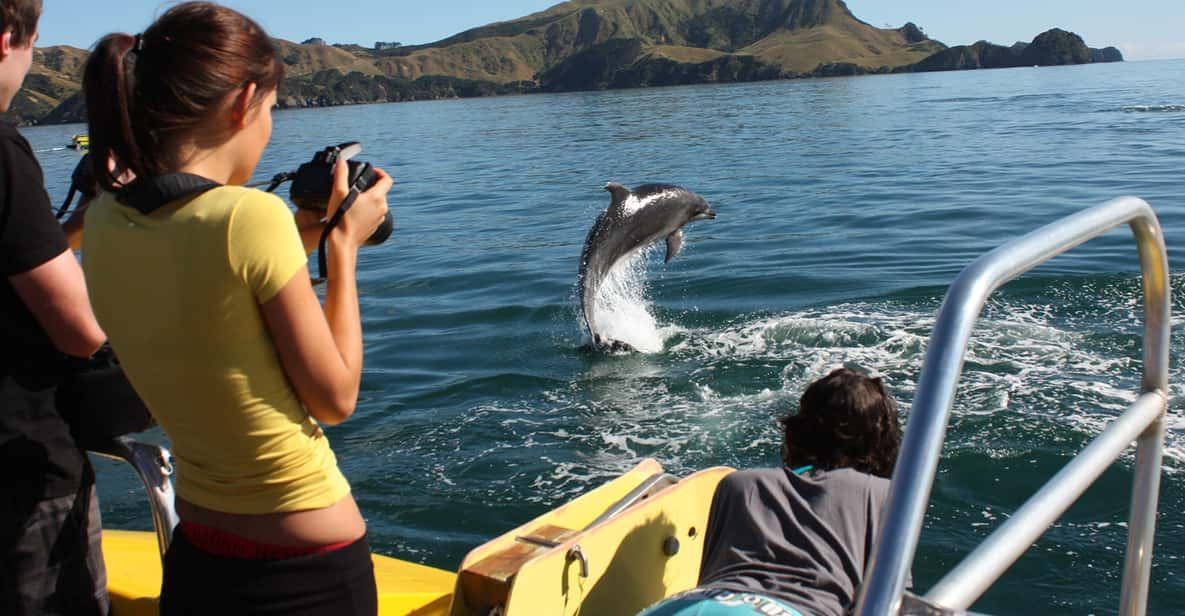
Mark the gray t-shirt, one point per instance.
(804, 539)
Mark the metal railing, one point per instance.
(154, 466)
(913, 478)
(651, 486)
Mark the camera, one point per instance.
(82, 182)
(313, 182)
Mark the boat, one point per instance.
(79, 142)
(638, 538)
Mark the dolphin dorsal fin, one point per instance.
(620, 194)
(674, 244)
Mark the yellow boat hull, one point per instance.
(134, 574)
(566, 562)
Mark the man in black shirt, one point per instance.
(50, 558)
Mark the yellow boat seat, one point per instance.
(134, 574)
(575, 560)
(612, 550)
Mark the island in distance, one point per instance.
(597, 44)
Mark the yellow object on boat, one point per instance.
(560, 565)
(613, 550)
(80, 142)
(134, 575)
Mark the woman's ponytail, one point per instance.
(146, 94)
(108, 88)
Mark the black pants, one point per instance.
(51, 556)
(340, 582)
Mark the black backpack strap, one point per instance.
(149, 194)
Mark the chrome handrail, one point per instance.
(154, 465)
(651, 486)
(913, 477)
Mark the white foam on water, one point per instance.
(1038, 377)
(1153, 108)
(622, 309)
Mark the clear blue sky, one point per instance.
(1143, 29)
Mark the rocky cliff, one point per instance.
(1051, 48)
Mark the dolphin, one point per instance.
(633, 220)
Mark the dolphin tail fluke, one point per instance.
(674, 244)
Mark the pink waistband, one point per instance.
(229, 545)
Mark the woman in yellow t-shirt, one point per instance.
(207, 300)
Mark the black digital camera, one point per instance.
(82, 182)
(313, 183)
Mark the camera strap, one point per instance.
(149, 194)
(330, 225)
(82, 181)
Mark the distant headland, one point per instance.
(595, 45)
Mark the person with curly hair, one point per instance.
(796, 540)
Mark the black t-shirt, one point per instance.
(35, 444)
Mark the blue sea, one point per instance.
(845, 208)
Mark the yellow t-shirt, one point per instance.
(178, 293)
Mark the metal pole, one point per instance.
(1137, 565)
(913, 478)
(983, 566)
(153, 465)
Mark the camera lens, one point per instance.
(381, 234)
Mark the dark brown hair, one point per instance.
(144, 92)
(21, 17)
(845, 420)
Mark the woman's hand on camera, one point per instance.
(368, 210)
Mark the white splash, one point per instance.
(622, 310)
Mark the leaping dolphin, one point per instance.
(632, 221)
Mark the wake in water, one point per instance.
(1153, 108)
(1049, 365)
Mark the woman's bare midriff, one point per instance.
(338, 523)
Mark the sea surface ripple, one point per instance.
(846, 206)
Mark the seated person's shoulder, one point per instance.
(745, 480)
(852, 479)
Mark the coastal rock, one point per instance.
(838, 69)
(592, 69)
(661, 71)
(330, 88)
(912, 33)
(1055, 47)
(1106, 54)
(69, 111)
(968, 57)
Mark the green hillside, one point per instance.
(795, 36)
(577, 45)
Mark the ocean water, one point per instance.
(845, 208)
